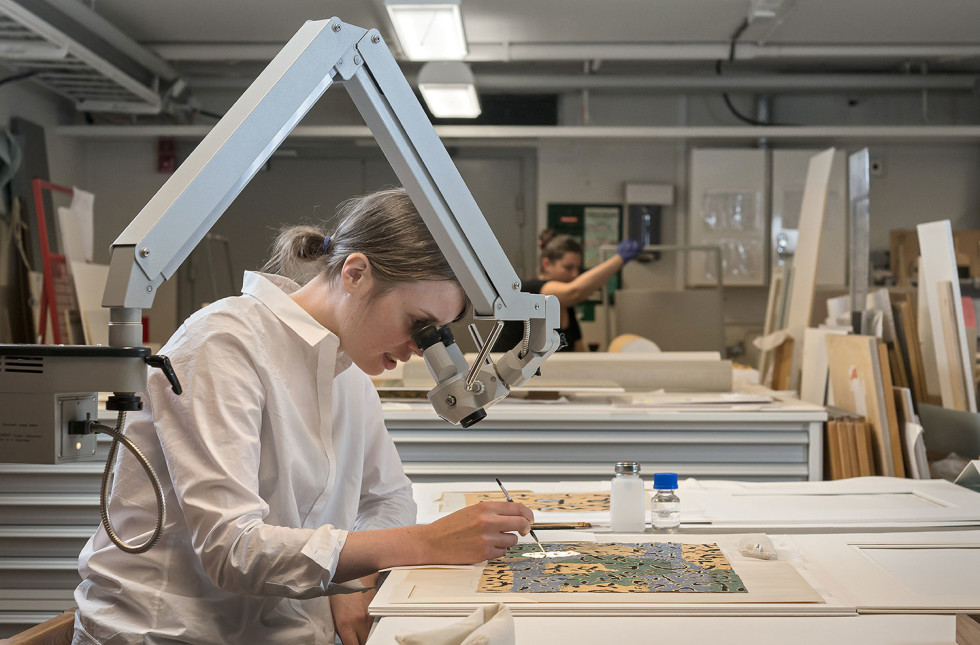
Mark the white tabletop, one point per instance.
(868, 630)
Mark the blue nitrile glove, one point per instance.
(628, 249)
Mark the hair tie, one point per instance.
(326, 243)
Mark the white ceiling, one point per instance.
(522, 36)
(895, 22)
(543, 46)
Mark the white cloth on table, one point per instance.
(276, 448)
(488, 625)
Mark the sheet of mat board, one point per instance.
(807, 254)
(89, 280)
(775, 587)
(813, 379)
(936, 265)
(438, 499)
(882, 501)
(932, 571)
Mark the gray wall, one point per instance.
(123, 177)
(919, 182)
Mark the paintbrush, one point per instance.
(531, 531)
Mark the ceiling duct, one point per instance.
(74, 52)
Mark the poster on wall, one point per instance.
(601, 226)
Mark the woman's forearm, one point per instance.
(367, 552)
(578, 290)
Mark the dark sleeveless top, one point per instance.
(513, 331)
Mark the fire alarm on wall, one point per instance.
(166, 154)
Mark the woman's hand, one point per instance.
(473, 534)
(350, 613)
(476, 533)
(628, 249)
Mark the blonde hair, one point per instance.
(385, 226)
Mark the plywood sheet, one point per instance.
(952, 347)
(855, 378)
(891, 416)
(904, 315)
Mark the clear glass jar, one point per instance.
(665, 507)
(626, 499)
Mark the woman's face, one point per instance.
(564, 270)
(379, 333)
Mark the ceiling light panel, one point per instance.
(428, 30)
(449, 90)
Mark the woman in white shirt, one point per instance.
(279, 476)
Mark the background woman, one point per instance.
(560, 276)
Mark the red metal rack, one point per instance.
(57, 298)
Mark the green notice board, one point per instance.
(592, 225)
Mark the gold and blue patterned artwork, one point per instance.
(590, 502)
(649, 567)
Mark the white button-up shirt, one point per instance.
(276, 448)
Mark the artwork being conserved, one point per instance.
(588, 502)
(651, 567)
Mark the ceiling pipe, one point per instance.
(784, 83)
(747, 83)
(965, 135)
(713, 51)
(515, 52)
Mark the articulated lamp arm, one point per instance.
(187, 206)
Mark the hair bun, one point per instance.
(546, 236)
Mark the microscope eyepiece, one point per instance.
(431, 335)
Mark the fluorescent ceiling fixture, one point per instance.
(767, 9)
(448, 90)
(428, 29)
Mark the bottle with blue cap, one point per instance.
(665, 507)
